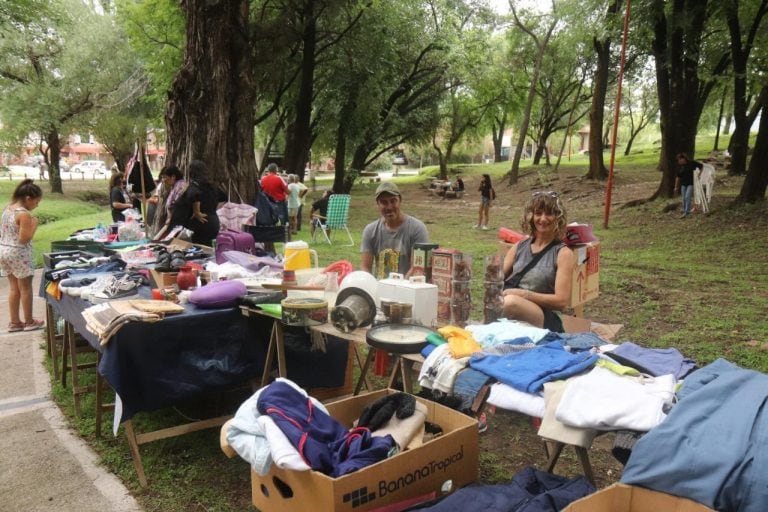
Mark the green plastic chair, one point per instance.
(336, 219)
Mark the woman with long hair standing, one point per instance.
(487, 196)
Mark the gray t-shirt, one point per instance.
(392, 249)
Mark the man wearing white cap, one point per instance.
(388, 241)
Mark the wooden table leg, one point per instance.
(277, 327)
(133, 445)
(364, 371)
(554, 454)
(65, 349)
(276, 347)
(360, 363)
(136, 440)
(394, 375)
(402, 372)
(583, 455)
(52, 339)
(406, 366)
(271, 349)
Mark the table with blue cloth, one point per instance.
(188, 355)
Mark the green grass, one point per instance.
(697, 284)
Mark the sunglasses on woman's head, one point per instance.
(549, 193)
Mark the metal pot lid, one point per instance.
(303, 303)
(398, 338)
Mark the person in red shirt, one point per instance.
(275, 189)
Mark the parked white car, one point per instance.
(91, 166)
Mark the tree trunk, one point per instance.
(676, 47)
(597, 170)
(444, 158)
(341, 182)
(299, 141)
(541, 47)
(499, 126)
(756, 181)
(209, 114)
(720, 119)
(740, 51)
(629, 143)
(539, 152)
(54, 155)
(340, 155)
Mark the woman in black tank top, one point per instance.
(538, 270)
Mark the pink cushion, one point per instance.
(221, 294)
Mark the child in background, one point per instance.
(17, 227)
(487, 195)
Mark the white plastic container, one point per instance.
(415, 291)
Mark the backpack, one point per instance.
(267, 211)
(231, 240)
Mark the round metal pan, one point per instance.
(398, 338)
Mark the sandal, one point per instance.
(34, 325)
(15, 327)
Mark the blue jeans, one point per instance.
(687, 193)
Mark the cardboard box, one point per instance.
(416, 472)
(443, 311)
(443, 283)
(628, 498)
(585, 283)
(163, 279)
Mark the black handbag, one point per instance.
(514, 281)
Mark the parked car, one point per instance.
(399, 159)
(92, 166)
(34, 160)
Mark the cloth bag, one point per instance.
(234, 215)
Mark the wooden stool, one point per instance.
(71, 349)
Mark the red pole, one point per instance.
(617, 108)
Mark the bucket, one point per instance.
(297, 256)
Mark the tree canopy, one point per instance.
(235, 82)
